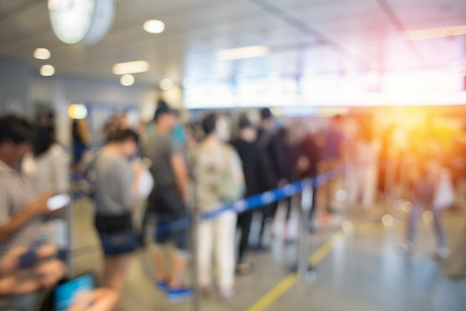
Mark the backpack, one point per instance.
(230, 188)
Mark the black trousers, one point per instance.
(244, 222)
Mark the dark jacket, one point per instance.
(254, 167)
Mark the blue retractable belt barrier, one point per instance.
(255, 201)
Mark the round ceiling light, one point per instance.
(154, 26)
(127, 80)
(166, 84)
(78, 111)
(41, 53)
(47, 70)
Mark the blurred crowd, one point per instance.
(180, 169)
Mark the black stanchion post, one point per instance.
(70, 237)
(194, 253)
(306, 206)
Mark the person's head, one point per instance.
(247, 131)
(208, 125)
(165, 119)
(16, 136)
(127, 141)
(266, 118)
(45, 138)
(337, 120)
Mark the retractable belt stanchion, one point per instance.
(70, 237)
(306, 207)
(194, 253)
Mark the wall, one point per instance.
(60, 92)
(15, 88)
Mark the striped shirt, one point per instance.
(15, 194)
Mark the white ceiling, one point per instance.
(196, 29)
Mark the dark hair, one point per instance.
(16, 129)
(266, 114)
(208, 124)
(244, 122)
(163, 110)
(44, 140)
(122, 135)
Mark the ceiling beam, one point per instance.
(308, 31)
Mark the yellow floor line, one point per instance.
(291, 279)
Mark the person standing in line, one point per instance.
(20, 211)
(306, 167)
(362, 179)
(265, 133)
(218, 180)
(47, 167)
(167, 204)
(114, 201)
(333, 156)
(425, 178)
(255, 174)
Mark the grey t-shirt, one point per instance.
(160, 149)
(114, 185)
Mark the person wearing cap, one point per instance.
(256, 179)
(167, 203)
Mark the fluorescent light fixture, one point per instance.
(166, 84)
(127, 80)
(429, 33)
(41, 53)
(154, 26)
(244, 52)
(131, 67)
(47, 70)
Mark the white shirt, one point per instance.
(48, 172)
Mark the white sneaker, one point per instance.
(405, 248)
(441, 253)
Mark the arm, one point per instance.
(181, 174)
(45, 273)
(11, 225)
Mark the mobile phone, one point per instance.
(58, 201)
(28, 259)
(66, 293)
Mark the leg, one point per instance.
(178, 263)
(413, 217)
(244, 222)
(114, 275)
(159, 263)
(205, 243)
(438, 227)
(224, 251)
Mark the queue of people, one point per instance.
(204, 171)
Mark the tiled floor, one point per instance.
(362, 272)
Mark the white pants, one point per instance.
(217, 235)
(361, 186)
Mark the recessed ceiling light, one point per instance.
(131, 67)
(244, 52)
(41, 53)
(166, 84)
(429, 33)
(127, 80)
(154, 26)
(47, 70)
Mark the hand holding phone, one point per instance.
(58, 201)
